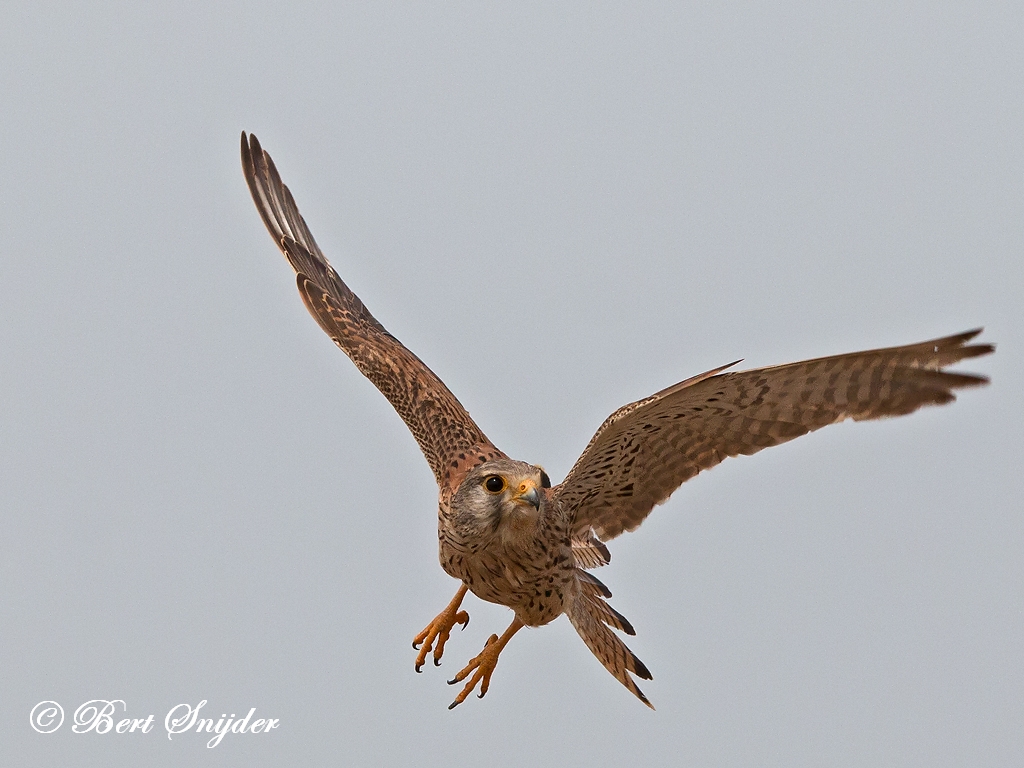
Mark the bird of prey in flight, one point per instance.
(510, 536)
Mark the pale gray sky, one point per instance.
(560, 210)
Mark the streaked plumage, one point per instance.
(509, 536)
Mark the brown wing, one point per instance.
(444, 430)
(647, 449)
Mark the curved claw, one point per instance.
(482, 665)
(437, 632)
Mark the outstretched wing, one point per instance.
(444, 430)
(647, 449)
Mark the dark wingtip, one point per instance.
(959, 341)
(977, 350)
(968, 335)
(961, 380)
(250, 144)
(254, 146)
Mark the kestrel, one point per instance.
(514, 539)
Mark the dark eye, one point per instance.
(545, 481)
(494, 484)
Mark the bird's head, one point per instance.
(501, 495)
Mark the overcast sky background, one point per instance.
(559, 209)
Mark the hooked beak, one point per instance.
(528, 492)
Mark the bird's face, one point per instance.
(501, 496)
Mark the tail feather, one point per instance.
(601, 610)
(591, 617)
(591, 585)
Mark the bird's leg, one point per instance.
(483, 664)
(439, 629)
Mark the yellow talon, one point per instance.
(439, 630)
(482, 665)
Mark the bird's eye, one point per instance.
(545, 481)
(495, 484)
